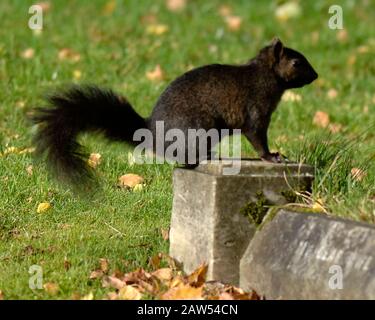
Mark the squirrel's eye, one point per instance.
(296, 62)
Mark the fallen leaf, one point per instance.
(233, 22)
(155, 75)
(332, 94)
(45, 5)
(321, 119)
(130, 180)
(94, 160)
(363, 49)
(157, 29)
(154, 261)
(129, 293)
(335, 127)
(67, 264)
(198, 276)
(183, 292)
(163, 274)
(43, 207)
(291, 96)
(113, 282)
(175, 5)
(77, 74)
(29, 170)
(287, 11)
(225, 10)
(165, 234)
(69, 54)
(89, 296)
(104, 265)
(28, 53)
(96, 274)
(51, 288)
(318, 206)
(1, 295)
(138, 188)
(358, 174)
(342, 35)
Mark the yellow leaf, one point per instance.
(183, 292)
(43, 207)
(129, 293)
(156, 29)
(288, 10)
(156, 74)
(69, 54)
(198, 276)
(77, 74)
(332, 94)
(89, 296)
(318, 206)
(291, 96)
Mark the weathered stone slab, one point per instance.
(311, 256)
(208, 224)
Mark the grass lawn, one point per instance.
(115, 44)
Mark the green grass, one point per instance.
(116, 52)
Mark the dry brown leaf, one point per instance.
(358, 174)
(342, 35)
(43, 207)
(51, 288)
(129, 293)
(45, 5)
(321, 119)
(165, 234)
(363, 49)
(335, 127)
(154, 261)
(28, 53)
(69, 54)
(113, 282)
(332, 94)
(104, 265)
(198, 276)
(112, 295)
(183, 292)
(155, 75)
(233, 22)
(94, 160)
(1, 295)
(175, 5)
(225, 10)
(67, 264)
(96, 274)
(130, 180)
(29, 170)
(163, 274)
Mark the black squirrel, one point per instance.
(213, 96)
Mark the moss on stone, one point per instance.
(256, 210)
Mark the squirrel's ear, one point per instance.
(277, 48)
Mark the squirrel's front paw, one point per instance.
(273, 157)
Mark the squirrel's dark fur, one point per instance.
(213, 96)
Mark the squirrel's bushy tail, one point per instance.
(77, 110)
